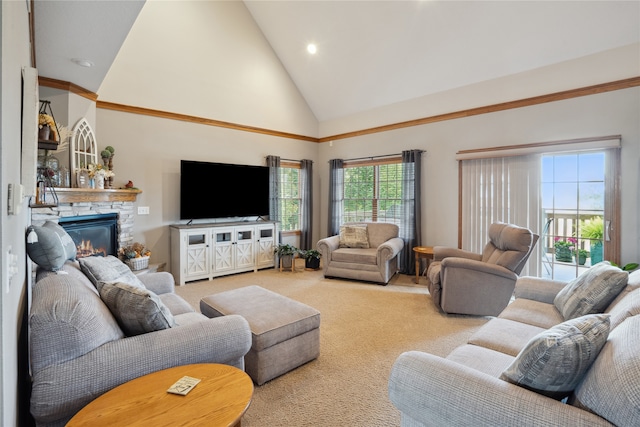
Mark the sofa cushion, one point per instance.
(504, 335)
(592, 291)
(633, 283)
(108, 269)
(50, 245)
(611, 388)
(356, 256)
(354, 236)
(554, 361)
(533, 313)
(627, 307)
(137, 310)
(67, 320)
(481, 359)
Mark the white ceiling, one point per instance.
(370, 53)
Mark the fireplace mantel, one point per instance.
(78, 195)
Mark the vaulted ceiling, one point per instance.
(370, 53)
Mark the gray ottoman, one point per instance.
(285, 333)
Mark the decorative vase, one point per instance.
(563, 254)
(99, 180)
(286, 260)
(110, 179)
(312, 263)
(44, 132)
(82, 179)
(596, 252)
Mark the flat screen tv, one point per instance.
(222, 190)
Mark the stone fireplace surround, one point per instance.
(80, 202)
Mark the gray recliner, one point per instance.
(464, 282)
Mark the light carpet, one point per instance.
(363, 329)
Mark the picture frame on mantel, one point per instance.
(30, 109)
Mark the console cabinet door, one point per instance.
(223, 249)
(197, 254)
(265, 244)
(245, 255)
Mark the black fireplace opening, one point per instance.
(93, 234)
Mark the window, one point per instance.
(373, 191)
(289, 196)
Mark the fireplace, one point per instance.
(93, 234)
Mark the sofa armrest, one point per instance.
(442, 252)
(437, 392)
(327, 245)
(59, 391)
(389, 249)
(538, 289)
(159, 283)
(478, 267)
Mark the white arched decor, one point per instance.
(84, 149)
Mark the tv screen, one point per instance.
(221, 190)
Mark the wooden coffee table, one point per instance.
(220, 399)
(422, 252)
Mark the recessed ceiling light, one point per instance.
(83, 62)
(312, 48)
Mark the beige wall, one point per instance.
(15, 55)
(598, 115)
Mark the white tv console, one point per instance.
(205, 251)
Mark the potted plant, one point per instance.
(311, 258)
(593, 229)
(285, 253)
(564, 248)
(581, 256)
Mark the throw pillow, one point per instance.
(592, 291)
(137, 310)
(554, 361)
(108, 269)
(354, 236)
(50, 246)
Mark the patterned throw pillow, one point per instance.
(354, 236)
(137, 310)
(554, 361)
(592, 291)
(108, 269)
(50, 246)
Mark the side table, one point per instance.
(422, 252)
(220, 399)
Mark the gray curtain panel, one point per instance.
(336, 195)
(411, 214)
(273, 162)
(306, 208)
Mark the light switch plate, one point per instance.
(143, 210)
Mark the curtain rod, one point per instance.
(372, 157)
(377, 157)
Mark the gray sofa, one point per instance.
(465, 388)
(79, 351)
(376, 262)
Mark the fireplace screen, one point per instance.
(93, 234)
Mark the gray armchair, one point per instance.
(376, 262)
(465, 282)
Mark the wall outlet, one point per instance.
(143, 210)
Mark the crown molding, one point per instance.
(69, 87)
(526, 102)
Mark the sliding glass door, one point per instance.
(577, 219)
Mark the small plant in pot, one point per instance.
(285, 253)
(311, 258)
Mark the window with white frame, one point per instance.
(289, 197)
(373, 191)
